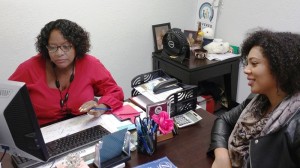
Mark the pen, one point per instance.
(153, 130)
(100, 108)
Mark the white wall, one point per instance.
(121, 30)
(237, 17)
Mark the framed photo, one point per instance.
(190, 36)
(156, 108)
(158, 33)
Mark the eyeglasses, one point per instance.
(54, 48)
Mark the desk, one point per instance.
(195, 70)
(187, 149)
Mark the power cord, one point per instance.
(6, 148)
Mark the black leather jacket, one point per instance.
(279, 149)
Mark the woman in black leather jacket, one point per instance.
(263, 131)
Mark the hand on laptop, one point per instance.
(92, 108)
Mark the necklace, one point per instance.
(64, 99)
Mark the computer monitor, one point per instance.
(19, 128)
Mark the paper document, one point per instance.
(70, 126)
(221, 57)
(146, 89)
(141, 101)
(76, 124)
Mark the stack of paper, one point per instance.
(221, 57)
(146, 89)
(141, 101)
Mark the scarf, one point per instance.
(253, 123)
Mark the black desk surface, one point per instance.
(187, 149)
(193, 64)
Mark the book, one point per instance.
(162, 162)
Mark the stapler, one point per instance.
(166, 85)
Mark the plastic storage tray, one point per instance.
(181, 101)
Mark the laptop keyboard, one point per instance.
(65, 145)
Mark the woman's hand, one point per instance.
(222, 159)
(87, 107)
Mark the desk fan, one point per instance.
(175, 45)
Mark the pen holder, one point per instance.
(146, 144)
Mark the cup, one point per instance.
(146, 144)
(200, 53)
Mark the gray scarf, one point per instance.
(253, 123)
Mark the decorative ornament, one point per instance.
(165, 123)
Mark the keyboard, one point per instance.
(65, 145)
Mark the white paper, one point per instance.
(146, 89)
(67, 127)
(221, 57)
(76, 124)
(141, 100)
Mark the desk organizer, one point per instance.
(181, 101)
(162, 137)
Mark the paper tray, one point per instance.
(181, 101)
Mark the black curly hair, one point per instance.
(71, 31)
(282, 50)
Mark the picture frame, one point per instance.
(156, 108)
(159, 31)
(191, 36)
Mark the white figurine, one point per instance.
(217, 46)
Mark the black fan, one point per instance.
(175, 45)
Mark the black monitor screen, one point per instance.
(19, 128)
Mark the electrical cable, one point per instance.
(3, 155)
(6, 148)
